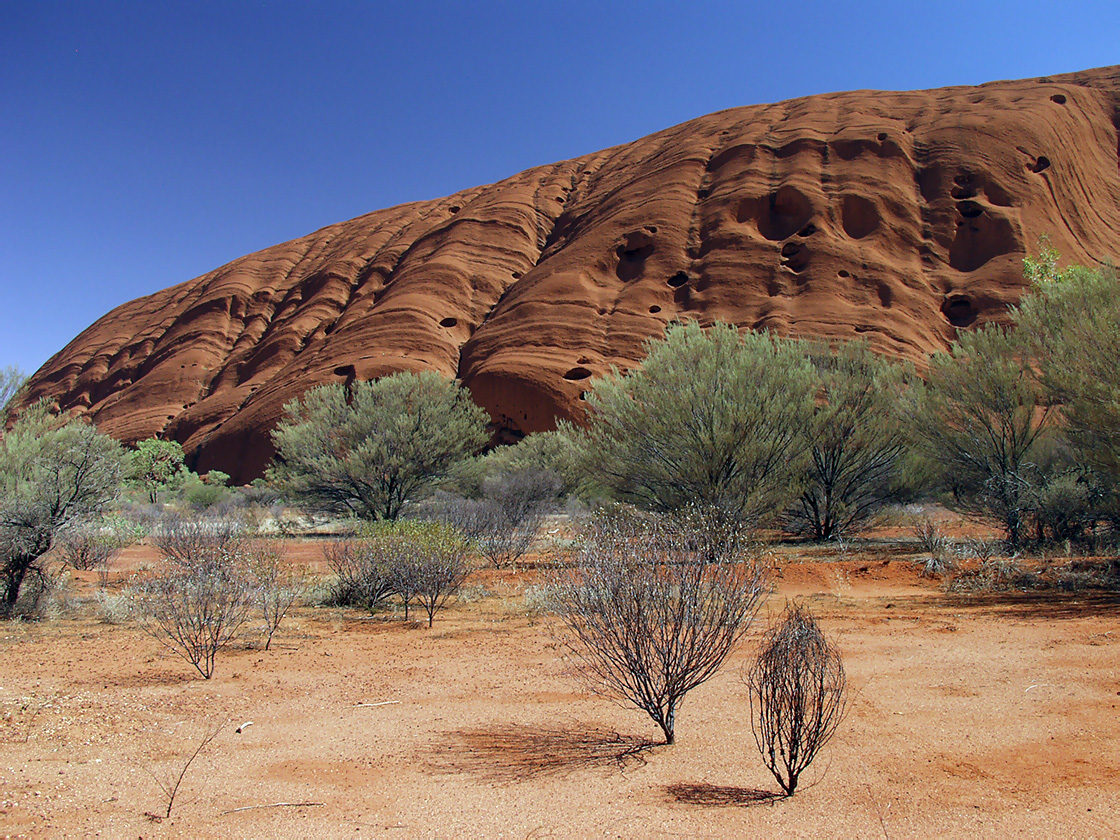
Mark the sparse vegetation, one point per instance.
(12, 380)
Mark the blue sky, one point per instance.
(144, 143)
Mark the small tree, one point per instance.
(54, 475)
(798, 692)
(87, 546)
(855, 442)
(503, 523)
(367, 449)
(426, 561)
(650, 614)
(1071, 323)
(197, 602)
(155, 465)
(981, 417)
(711, 418)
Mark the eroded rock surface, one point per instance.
(898, 217)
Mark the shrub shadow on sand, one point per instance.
(719, 795)
(519, 753)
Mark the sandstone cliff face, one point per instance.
(898, 217)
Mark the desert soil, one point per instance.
(978, 716)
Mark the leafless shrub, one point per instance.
(651, 612)
(361, 574)
(197, 602)
(983, 550)
(797, 691)
(188, 542)
(87, 547)
(931, 539)
(936, 545)
(275, 585)
(505, 521)
(995, 575)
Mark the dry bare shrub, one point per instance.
(994, 575)
(87, 547)
(361, 574)
(503, 523)
(275, 585)
(936, 545)
(652, 611)
(797, 691)
(170, 781)
(196, 604)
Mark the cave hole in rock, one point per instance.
(577, 373)
(1059, 98)
(632, 255)
(345, 370)
(703, 192)
(677, 280)
(782, 213)
(969, 209)
(959, 310)
(583, 395)
(516, 275)
(886, 296)
(808, 230)
(454, 208)
(859, 216)
(654, 309)
(843, 273)
(449, 322)
(965, 192)
(980, 240)
(651, 228)
(1042, 163)
(882, 136)
(795, 256)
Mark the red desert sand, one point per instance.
(970, 716)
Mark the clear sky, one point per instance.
(144, 143)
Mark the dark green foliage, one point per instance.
(980, 419)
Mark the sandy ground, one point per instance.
(980, 716)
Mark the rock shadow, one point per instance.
(719, 795)
(518, 753)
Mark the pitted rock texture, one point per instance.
(898, 217)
